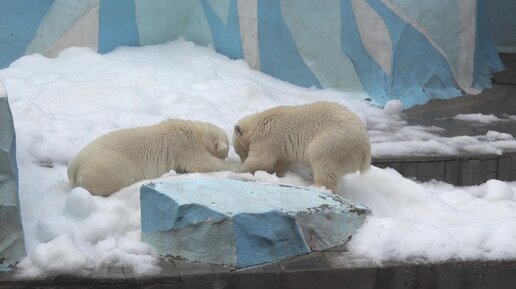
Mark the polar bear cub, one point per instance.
(325, 136)
(121, 158)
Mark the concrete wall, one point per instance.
(413, 50)
(502, 19)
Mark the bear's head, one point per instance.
(215, 140)
(239, 143)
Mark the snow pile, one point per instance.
(60, 105)
(393, 107)
(68, 231)
(484, 119)
(478, 117)
(433, 221)
(423, 141)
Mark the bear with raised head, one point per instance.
(121, 158)
(325, 136)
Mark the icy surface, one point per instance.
(61, 104)
(249, 199)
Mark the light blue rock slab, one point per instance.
(241, 224)
(12, 248)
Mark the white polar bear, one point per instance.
(121, 158)
(325, 136)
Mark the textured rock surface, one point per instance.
(241, 224)
(12, 246)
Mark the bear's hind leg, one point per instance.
(104, 177)
(325, 178)
(280, 168)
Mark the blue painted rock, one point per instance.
(241, 224)
(12, 247)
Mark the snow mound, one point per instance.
(477, 117)
(79, 204)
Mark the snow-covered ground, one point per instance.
(59, 105)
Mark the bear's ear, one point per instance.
(220, 146)
(239, 131)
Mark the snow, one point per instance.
(71, 260)
(433, 221)
(79, 204)
(393, 107)
(478, 117)
(484, 119)
(60, 105)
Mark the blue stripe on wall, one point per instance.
(487, 61)
(279, 56)
(369, 71)
(420, 72)
(19, 22)
(117, 25)
(226, 39)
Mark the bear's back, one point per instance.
(313, 116)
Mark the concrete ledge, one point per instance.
(466, 170)
(318, 270)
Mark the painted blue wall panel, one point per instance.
(117, 25)
(279, 56)
(19, 21)
(420, 72)
(369, 71)
(226, 39)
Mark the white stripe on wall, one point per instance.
(467, 38)
(248, 14)
(374, 34)
(83, 33)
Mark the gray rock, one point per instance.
(242, 224)
(12, 245)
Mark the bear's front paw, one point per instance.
(236, 168)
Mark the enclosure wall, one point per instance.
(413, 50)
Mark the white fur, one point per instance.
(123, 157)
(325, 136)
